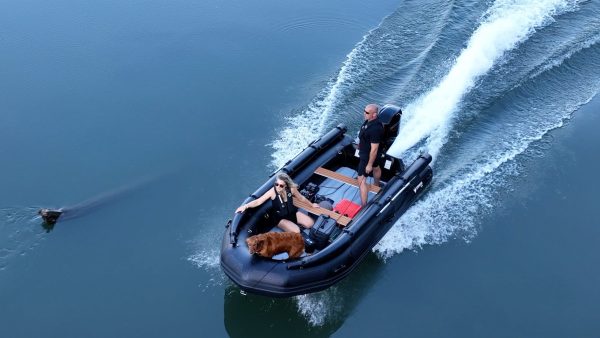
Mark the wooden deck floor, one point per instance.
(343, 178)
(341, 219)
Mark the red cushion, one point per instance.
(347, 208)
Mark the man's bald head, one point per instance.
(371, 111)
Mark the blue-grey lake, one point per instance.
(155, 119)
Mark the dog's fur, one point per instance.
(272, 243)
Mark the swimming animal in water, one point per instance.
(50, 216)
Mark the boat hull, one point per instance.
(312, 273)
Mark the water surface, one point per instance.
(170, 113)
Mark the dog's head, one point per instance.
(50, 216)
(255, 244)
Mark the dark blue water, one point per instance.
(155, 119)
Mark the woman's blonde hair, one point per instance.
(287, 179)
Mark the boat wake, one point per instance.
(521, 72)
(504, 27)
(320, 307)
(482, 146)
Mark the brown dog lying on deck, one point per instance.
(272, 243)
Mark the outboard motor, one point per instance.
(390, 115)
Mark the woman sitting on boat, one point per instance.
(287, 216)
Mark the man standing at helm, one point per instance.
(369, 150)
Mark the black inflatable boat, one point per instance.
(339, 240)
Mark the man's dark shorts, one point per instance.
(362, 165)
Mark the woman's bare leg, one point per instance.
(304, 219)
(289, 226)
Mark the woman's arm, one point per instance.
(257, 202)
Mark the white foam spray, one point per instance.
(206, 255)
(311, 123)
(452, 211)
(319, 307)
(506, 24)
(208, 261)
